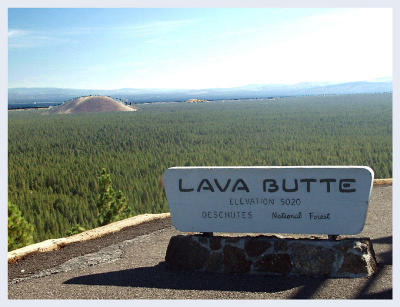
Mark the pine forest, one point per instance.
(54, 161)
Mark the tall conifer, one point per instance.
(112, 206)
(20, 232)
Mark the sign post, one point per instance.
(327, 200)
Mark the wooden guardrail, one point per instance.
(54, 244)
(383, 181)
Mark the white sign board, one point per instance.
(297, 200)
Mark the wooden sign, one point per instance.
(296, 200)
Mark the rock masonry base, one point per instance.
(271, 255)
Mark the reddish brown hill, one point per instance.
(91, 104)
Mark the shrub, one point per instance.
(75, 230)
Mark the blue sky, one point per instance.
(196, 48)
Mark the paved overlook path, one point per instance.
(130, 264)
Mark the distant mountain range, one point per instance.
(30, 95)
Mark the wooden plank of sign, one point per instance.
(295, 200)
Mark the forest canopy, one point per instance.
(54, 161)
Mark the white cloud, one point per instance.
(144, 30)
(16, 33)
(156, 28)
(18, 38)
(155, 32)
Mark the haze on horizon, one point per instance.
(196, 48)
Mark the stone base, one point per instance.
(270, 255)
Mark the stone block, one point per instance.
(232, 239)
(235, 260)
(185, 253)
(353, 264)
(215, 243)
(312, 260)
(274, 263)
(256, 246)
(215, 263)
(280, 245)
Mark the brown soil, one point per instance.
(91, 104)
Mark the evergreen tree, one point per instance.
(20, 232)
(112, 206)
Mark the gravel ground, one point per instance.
(130, 265)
